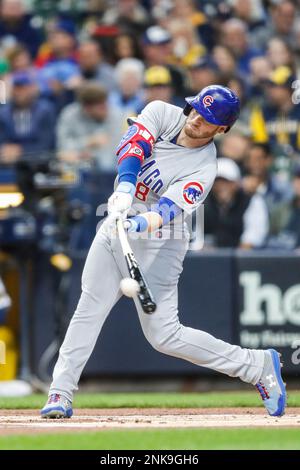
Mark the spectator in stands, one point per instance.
(60, 44)
(292, 229)
(128, 95)
(232, 217)
(27, 123)
(278, 120)
(16, 24)
(260, 180)
(59, 73)
(280, 53)
(157, 45)
(234, 35)
(191, 14)
(89, 130)
(237, 84)
(280, 24)
(260, 70)
(249, 11)
(203, 72)
(186, 47)
(19, 59)
(129, 15)
(125, 45)
(92, 65)
(235, 146)
(157, 48)
(225, 60)
(56, 90)
(158, 86)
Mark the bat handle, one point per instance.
(123, 238)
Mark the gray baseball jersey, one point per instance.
(185, 176)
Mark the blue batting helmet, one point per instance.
(217, 104)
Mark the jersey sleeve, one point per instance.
(190, 191)
(152, 118)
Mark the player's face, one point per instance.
(196, 127)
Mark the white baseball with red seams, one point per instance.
(129, 287)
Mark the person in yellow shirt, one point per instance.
(277, 122)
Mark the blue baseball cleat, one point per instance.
(271, 386)
(57, 406)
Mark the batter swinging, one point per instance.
(166, 163)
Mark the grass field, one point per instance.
(191, 439)
(152, 400)
(160, 439)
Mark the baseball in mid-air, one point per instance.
(129, 287)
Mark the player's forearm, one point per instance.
(146, 222)
(128, 170)
(161, 214)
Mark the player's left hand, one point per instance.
(120, 201)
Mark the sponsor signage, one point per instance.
(268, 305)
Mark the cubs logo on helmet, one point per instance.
(192, 192)
(208, 100)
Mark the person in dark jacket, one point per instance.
(27, 122)
(292, 230)
(16, 24)
(233, 218)
(260, 179)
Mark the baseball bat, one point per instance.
(144, 295)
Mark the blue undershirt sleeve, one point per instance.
(128, 170)
(167, 209)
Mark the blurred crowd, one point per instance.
(73, 76)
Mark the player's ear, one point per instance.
(222, 129)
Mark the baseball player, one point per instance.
(166, 163)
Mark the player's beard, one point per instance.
(196, 134)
